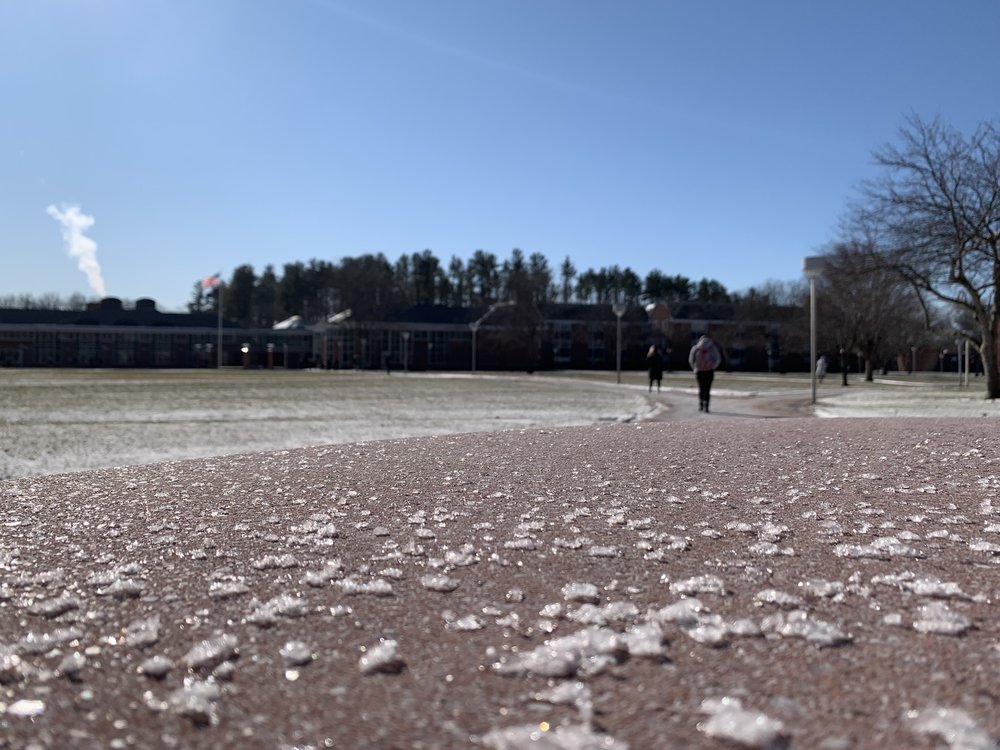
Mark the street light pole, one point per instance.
(332, 322)
(966, 380)
(813, 266)
(958, 359)
(474, 325)
(219, 301)
(618, 308)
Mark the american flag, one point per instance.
(211, 282)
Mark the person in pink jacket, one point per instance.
(704, 358)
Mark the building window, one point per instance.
(562, 343)
(596, 347)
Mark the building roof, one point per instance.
(586, 313)
(430, 315)
(111, 312)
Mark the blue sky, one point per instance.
(709, 138)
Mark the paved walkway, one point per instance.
(672, 404)
(707, 582)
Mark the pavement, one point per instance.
(680, 404)
(705, 581)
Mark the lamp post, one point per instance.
(406, 339)
(219, 332)
(618, 308)
(474, 325)
(965, 380)
(958, 359)
(813, 267)
(334, 322)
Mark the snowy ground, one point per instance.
(54, 421)
(924, 395)
(898, 397)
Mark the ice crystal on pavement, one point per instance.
(211, 652)
(728, 720)
(383, 657)
(954, 726)
(543, 737)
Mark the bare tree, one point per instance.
(935, 213)
(784, 293)
(46, 301)
(76, 301)
(866, 307)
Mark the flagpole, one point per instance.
(219, 346)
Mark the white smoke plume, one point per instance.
(74, 223)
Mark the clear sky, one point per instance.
(166, 140)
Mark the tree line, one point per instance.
(46, 301)
(370, 285)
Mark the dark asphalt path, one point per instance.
(598, 587)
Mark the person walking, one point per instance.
(704, 358)
(821, 365)
(655, 362)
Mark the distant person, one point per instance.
(655, 362)
(704, 358)
(821, 364)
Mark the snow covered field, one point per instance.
(899, 397)
(54, 421)
(924, 395)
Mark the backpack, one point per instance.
(705, 358)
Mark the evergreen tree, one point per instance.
(567, 273)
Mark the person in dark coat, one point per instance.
(655, 362)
